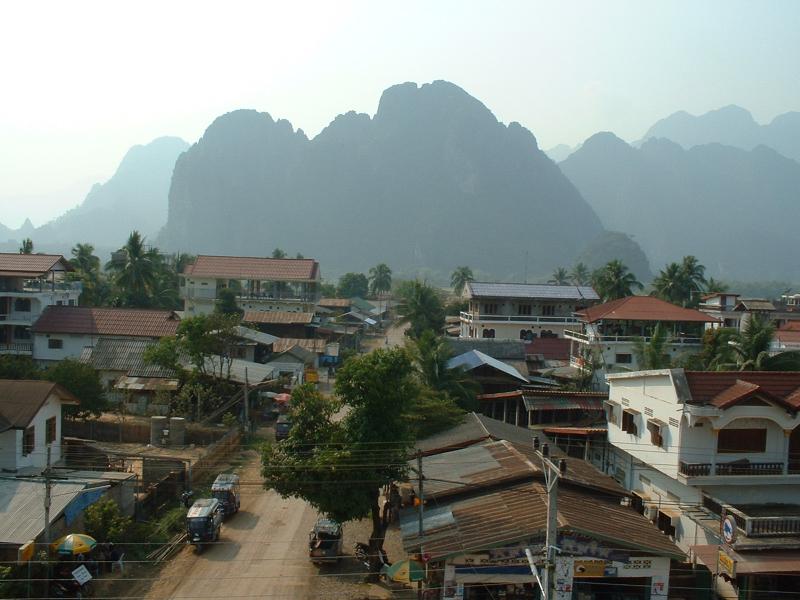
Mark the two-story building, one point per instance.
(700, 449)
(28, 284)
(721, 305)
(64, 331)
(260, 284)
(608, 332)
(30, 421)
(522, 311)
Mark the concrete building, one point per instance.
(30, 420)
(28, 284)
(64, 331)
(260, 284)
(522, 311)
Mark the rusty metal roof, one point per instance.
(313, 345)
(277, 317)
(252, 267)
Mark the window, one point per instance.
(21, 332)
(654, 427)
(629, 421)
(28, 440)
(50, 431)
(524, 309)
(490, 309)
(611, 413)
(71, 302)
(55, 344)
(741, 440)
(624, 359)
(548, 310)
(488, 333)
(22, 305)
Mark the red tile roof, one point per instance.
(726, 388)
(30, 265)
(549, 348)
(277, 317)
(643, 308)
(127, 322)
(250, 267)
(335, 303)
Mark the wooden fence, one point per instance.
(134, 432)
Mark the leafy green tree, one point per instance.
(84, 382)
(27, 246)
(339, 466)
(135, 276)
(278, 253)
(165, 353)
(226, 303)
(18, 367)
(327, 290)
(559, 277)
(431, 412)
(422, 308)
(208, 340)
(653, 354)
(614, 281)
(430, 354)
(352, 285)
(460, 278)
(380, 279)
(105, 522)
(580, 274)
(95, 289)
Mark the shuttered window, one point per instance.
(741, 440)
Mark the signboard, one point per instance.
(590, 568)
(728, 527)
(25, 552)
(725, 564)
(81, 575)
(658, 587)
(565, 567)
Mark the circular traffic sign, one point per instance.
(729, 529)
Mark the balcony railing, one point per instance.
(731, 468)
(604, 339)
(468, 317)
(17, 348)
(18, 317)
(771, 526)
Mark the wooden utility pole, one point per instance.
(48, 488)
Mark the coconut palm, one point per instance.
(380, 279)
(749, 349)
(694, 275)
(136, 275)
(652, 354)
(421, 307)
(614, 281)
(84, 260)
(27, 246)
(460, 278)
(559, 277)
(714, 285)
(670, 284)
(431, 354)
(580, 274)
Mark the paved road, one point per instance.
(262, 552)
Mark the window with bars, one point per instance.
(629, 422)
(741, 440)
(656, 438)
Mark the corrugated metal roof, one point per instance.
(254, 335)
(254, 372)
(588, 404)
(123, 355)
(252, 267)
(475, 358)
(129, 322)
(277, 317)
(146, 384)
(314, 345)
(22, 507)
(31, 265)
(531, 290)
(754, 304)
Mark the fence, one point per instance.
(133, 431)
(206, 466)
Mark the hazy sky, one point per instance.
(83, 81)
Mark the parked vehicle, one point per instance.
(203, 522)
(325, 541)
(282, 427)
(227, 490)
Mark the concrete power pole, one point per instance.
(552, 473)
(48, 488)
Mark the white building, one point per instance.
(608, 332)
(260, 284)
(721, 305)
(30, 420)
(64, 331)
(522, 311)
(28, 284)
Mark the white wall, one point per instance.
(73, 345)
(37, 458)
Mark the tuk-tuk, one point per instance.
(325, 541)
(282, 427)
(226, 490)
(203, 522)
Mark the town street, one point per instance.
(263, 551)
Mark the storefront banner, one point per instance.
(654, 566)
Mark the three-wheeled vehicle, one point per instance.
(203, 522)
(226, 489)
(282, 427)
(325, 541)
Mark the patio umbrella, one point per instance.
(283, 398)
(405, 571)
(74, 543)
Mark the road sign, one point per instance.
(729, 529)
(81, 575)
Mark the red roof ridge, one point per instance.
(643, 308)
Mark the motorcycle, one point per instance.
(71, 589)
(361, 552)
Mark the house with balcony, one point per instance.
(28, 284)
(608, 332)
(522, 311)
(721, 305)
(698, 449)
(261, 284)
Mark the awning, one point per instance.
(576, 430)
(591, 404)
(752, 563)
(657, 422)
(629, 410)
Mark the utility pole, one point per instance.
(420, 505)
(246, 405)
(552, 473)
(47, 494)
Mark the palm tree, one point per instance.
(431, 354)
(580, 274)
(380, 279)
(670, 284)
(694, 279)
(714, 285)
(27, 246)
(559, 277)
(652, 354)
(749, 349)
(460, 278)
(136, 275)
(421, 307)
(84, 260)
(614, 281)
(752, 345)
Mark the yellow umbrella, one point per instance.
(405, 571)
(74, 543)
